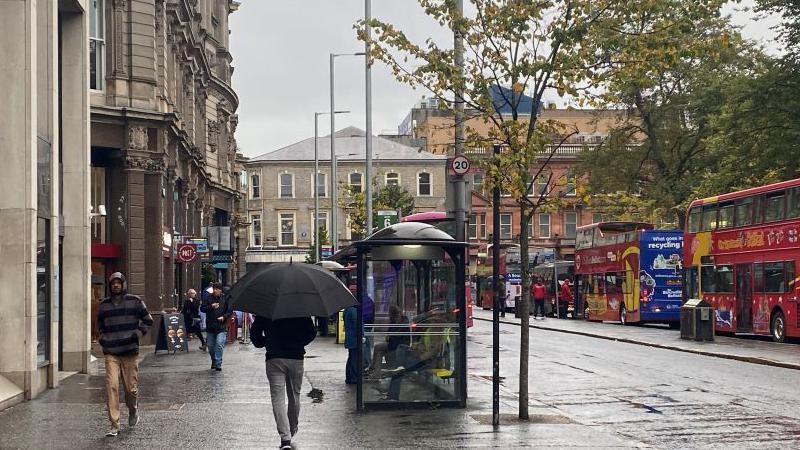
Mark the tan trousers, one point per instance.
(128, 367)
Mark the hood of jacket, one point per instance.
(119, 276)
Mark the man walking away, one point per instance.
(217, 315)
(122, 320)
(191, 316)
(539, 293)
(351, 372)
(285, 341)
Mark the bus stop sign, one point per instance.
(383, 219)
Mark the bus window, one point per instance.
(709, 218)
(692, 290)
(724, 278)
(612, 287)
(793, 205)
(758, 277)
(725, 219)
(758, 209)
(744, 212)
(694, 219)
(789, 265)
(775, 277)
(775, 206)
(708, 278)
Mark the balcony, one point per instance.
(564, 151)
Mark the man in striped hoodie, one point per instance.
(122, 320)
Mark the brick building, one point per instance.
(163, 153)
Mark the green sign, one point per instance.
(383, 219)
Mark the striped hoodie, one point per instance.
(121, 320)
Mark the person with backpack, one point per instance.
(122, 320)
(285, 341)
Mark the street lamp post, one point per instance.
(317, 248)
(556, 248)
(334, 181)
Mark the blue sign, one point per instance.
(326, 251)
(660, 270)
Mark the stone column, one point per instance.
(134, 254)
(75, 268)
(153, 235)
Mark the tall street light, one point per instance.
(317, 247)
(368, 89)
(334, 181)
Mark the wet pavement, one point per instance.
(184, 405)
(585, 392)
(754, 349)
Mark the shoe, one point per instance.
(112, 432)
(213, 367)
(219, 368)
(133, 419)
(203, 348)
(392, 372)
(286, 445)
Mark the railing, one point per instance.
(563, 150)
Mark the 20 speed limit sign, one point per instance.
(460, 165)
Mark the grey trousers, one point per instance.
(285, 379)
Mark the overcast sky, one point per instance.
(280, 51)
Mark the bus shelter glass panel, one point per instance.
(413, 342)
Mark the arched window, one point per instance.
(392, 178)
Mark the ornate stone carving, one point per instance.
(137, 138)
(213, 134)
(144, 163)
(119, 11)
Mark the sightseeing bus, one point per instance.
(629, 272)
(448, 225)
(741, 255)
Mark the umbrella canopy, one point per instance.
(286, 290)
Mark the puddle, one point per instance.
(316, 395)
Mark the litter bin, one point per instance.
(697, 320)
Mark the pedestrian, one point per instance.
(539, 293)
(285, 341)
(351, 344)
(191, 316)
(566, 297)
(503, 299)
(122, 320)
(217, 315)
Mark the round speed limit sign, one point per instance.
(460, 165)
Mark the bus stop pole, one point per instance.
(496, 302)
(556, 286)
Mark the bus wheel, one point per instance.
(778, 327)
(623, 314)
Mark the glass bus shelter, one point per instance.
(412, 317)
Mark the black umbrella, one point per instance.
(285, 290)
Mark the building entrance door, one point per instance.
(744, 297)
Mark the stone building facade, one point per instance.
(281, 189)
(163, 153)
(44, 145)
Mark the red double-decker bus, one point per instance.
(740, 255)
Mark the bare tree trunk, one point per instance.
(523, 309)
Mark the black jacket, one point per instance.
(283, 338)
(212, 314)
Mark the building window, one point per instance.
(505, 226)
(473, 226)
(570, 184)
(43, 303)
(287, 229)
(97, 43)
(322, 184)
(542, 183)
(570, 224)
(356, 182)
(597, 217)
(477, 182)
(286, 185)
(544, 225)
(255, 222)
(255, 185)
(322, 220)
(392, 178)
(424, 184)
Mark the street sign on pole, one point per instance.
(383, 219)
(460, 165)
(187, 253)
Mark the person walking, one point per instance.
(191, 316)
(566, 298)
(351, 344)
(122, 320)
(285, 341)
(217, 314)
(539, 293)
